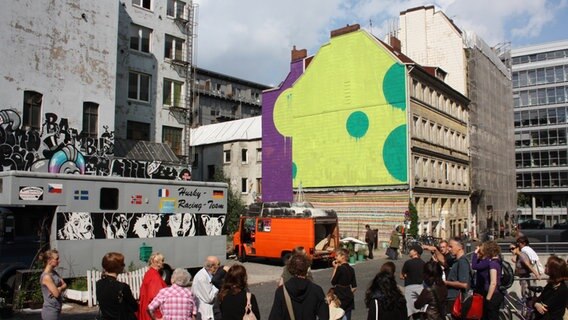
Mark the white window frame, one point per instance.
(226, 156)
(138, 85)
(139, 31)
(176, 9)
(244, 186)
(171, 90)
(140, 4)
(174, 42)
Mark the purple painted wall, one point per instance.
(276, 149)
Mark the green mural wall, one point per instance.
(346, 116)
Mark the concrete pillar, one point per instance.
(533, 207)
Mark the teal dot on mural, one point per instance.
(294, 170)
(394, 86)
(394, 153)
(357, 124)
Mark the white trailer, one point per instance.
(84, 217)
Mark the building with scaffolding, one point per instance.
(429, 37)
(540, 95)
(362, 129)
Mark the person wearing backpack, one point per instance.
(487, 262)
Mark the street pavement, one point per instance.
(263, 278)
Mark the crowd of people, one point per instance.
(430, 290)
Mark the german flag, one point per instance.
(217, 194)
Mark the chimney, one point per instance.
(298, 54)
(344, 30)
(395, 43)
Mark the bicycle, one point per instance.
(520, 307)
(410, 241)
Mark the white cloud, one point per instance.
(252, 39)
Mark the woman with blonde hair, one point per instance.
(52, 286)
(116, 300)
(151, 285)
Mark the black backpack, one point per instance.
(507, 275)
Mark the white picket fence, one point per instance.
(133, 279)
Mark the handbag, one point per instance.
(470, 308)
(249, 315)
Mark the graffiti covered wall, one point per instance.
(345, 117)
(58, 148)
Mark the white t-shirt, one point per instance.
(533, 257)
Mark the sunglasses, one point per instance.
(512, 248)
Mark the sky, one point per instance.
(252, 39)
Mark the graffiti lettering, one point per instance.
(58, 148)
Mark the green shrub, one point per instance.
(78, 284)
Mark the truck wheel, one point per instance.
(243, 255)
(285, 257)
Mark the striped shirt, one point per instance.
(175, 303)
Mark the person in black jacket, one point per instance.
(344, 281)
(115, 298)
(552, 302)
(307, 299)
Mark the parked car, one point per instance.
(532, 224)
(560, 225)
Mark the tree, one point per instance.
(523, 200)
(235, 205)
(413, 230)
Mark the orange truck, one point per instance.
(273, 229)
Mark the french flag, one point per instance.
(163, 193)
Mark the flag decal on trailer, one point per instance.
(81, 195)
(163, 193)
(55, 188)
(136, 199)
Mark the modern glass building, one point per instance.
(540, 93)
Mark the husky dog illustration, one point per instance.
(182, 224)
(118, 225)
(213, 225)
(147, 225)
(78, 225)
